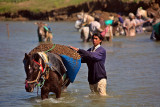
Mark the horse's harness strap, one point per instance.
(65, 80)
(39, 64)
(44, 57)
(35, 81)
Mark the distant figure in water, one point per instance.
(132, 30)
(126, 26)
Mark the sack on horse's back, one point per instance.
(72, 66)
(71, 58)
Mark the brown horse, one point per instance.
(47, 71)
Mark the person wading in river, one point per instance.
(95, 58)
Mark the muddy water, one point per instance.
(132, 64)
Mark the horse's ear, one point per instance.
(26, 55)
(24, 60)
(36, 57)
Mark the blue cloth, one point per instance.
(72, 66)
(121, 19)
(49, 28)
(95, 62)
(108, 22)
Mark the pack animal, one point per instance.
(117, 29)
(44, 34)
(49, 75)
(84, 31)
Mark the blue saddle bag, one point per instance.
(72, 66)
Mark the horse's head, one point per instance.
(33, 65)
(78, 24)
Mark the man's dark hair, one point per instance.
(98, 35)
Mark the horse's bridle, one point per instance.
(39, 74)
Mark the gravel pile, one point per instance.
(56, 49)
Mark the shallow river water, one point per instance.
(132, 65)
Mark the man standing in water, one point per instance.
(95, 58)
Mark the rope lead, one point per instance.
(51, 48)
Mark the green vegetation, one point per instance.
(36, 5)
(12, 0)
(40, 5)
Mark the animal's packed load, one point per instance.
(71, 58)
(141, 12)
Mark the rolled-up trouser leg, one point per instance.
(99, 88)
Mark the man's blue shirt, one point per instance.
(95, 62)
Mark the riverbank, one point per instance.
(101, 8)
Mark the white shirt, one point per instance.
(93, 49)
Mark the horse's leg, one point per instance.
(82, 35)
(58, 92)
(45, 39)
(50, 37)
(39, 38)
(44, 93)
(87, 34)
(89, 37)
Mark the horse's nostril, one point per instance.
(29, 89)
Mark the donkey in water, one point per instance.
(84, 31)
(47, 71)
(44, 33)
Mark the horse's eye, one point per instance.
(36, 67)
